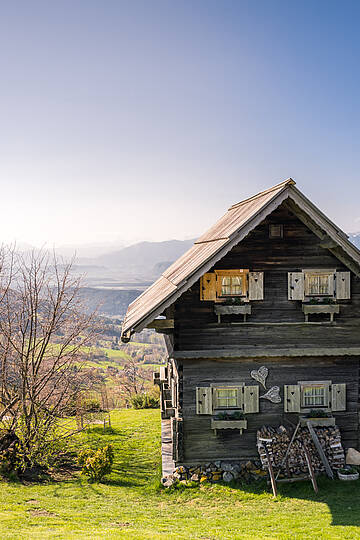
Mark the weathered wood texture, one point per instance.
(196, 326)
(199, 440)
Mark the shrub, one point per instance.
(144, 401)
(96, 463)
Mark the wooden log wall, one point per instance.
(196, 326)
(200, 444)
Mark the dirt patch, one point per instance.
(41, 512)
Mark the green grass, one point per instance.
(130, 504)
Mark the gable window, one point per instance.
(276, 231)
(319, 283)
(232, 283)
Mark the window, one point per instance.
(319, 283)
(276, 231)
(315, 394)
(232, 282)
(231, 285)
(227, 398)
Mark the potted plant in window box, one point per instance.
(232, 306)
(318, 418)
(320, 305)
(229, 420)
(348, 473)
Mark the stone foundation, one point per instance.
(217, 471)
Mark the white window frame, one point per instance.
(327, 387)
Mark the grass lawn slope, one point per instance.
(131, 503)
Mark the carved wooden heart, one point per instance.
(273, 395)
(260, 375)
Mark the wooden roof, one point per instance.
(229, 230)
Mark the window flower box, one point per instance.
(232, 310)
(330, 309)
(228, 424)
(317, 422)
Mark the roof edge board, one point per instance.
(321, 213)
(285, 183)
(333, 231)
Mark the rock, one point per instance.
(228, 476)
(249, 466)
(170, 481)
(227, 467)
(237, 467)
(217, 464)
(194, 478)
(352, 457)
(216, 476)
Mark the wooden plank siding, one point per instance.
(196, 326)
(199, 440)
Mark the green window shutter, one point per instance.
(296, 286)
(251, 399)
(256, 285)
(204, 400)
(291, 398)
(342, 285)
(338, 397)
(208, 286)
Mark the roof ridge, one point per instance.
(288, 182)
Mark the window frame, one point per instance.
(239, 396)
(273, 226)
(313, 272)
(327, 395)
(243, 273)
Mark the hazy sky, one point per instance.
(128, 119)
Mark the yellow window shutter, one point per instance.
(208, 286)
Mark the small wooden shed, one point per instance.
(261, 319)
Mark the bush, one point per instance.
(144, 401)
(96, 463)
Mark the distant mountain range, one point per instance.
(355, 239)
(136, 264)
(113, 279)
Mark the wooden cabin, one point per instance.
(261, 319)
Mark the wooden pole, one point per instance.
(271, 472)
(310, 467)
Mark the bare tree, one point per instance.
(132, 379)
(43, 332)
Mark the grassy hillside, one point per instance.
(131, 505)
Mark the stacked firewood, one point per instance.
(276, 442)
